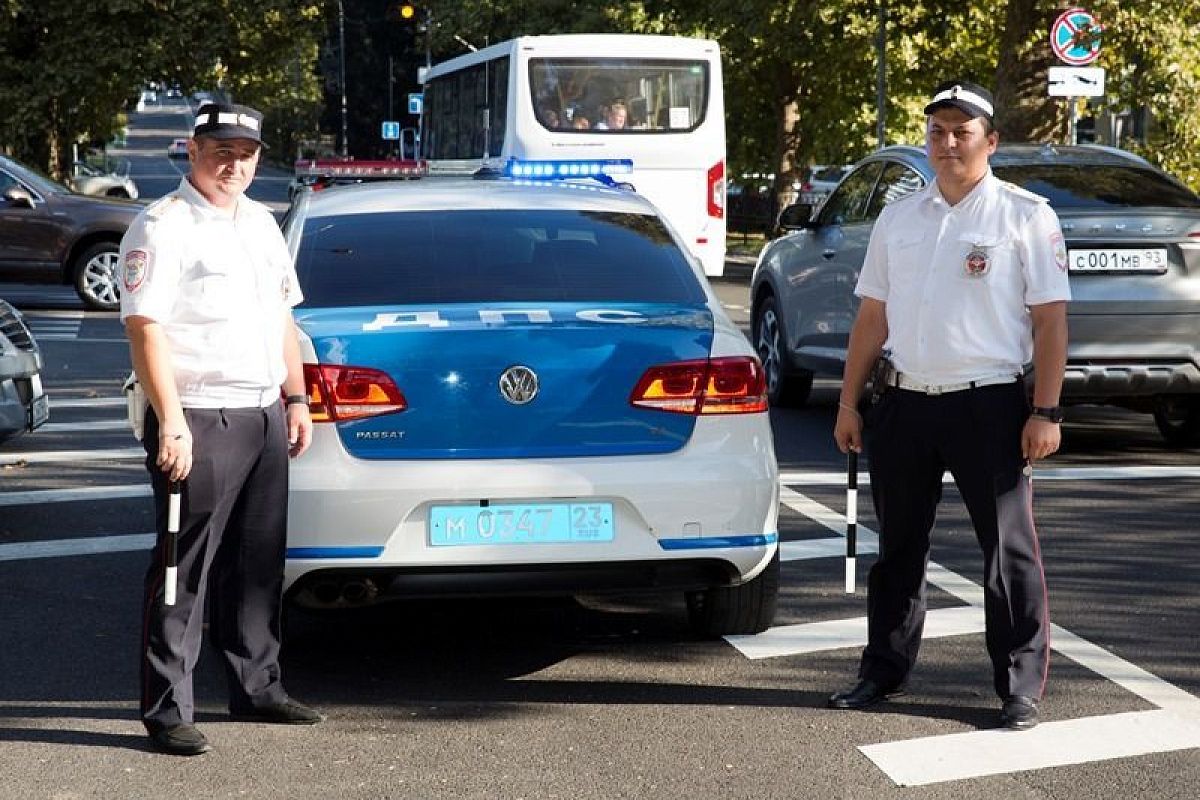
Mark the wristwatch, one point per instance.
(1051, 413)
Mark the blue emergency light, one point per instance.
(558, 170)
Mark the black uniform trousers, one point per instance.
(912, 439)
(232, 540)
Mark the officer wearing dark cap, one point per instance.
(964, 283)
(208, 287)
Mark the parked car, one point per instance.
(178, 148)
(540, 395)
(24, 406)
(821, 181)
(47, 230)
(1133, 240)
(87, 179)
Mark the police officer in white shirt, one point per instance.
(963, 284)
(208, 287)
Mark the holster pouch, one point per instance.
(135, 405)
(883, 375)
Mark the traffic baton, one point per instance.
(851, 517)
(174, 496)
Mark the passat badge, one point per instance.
(978, 262)
(518, 385)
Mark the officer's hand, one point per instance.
(847, 431)
(1040, 438)
(299, 426)
(175, 453)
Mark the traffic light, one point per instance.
(403, 12)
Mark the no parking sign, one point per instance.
(1075, 37)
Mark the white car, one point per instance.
(87, 179)
(523, 388)
(178, 148)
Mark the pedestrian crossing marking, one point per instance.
(1175, 725)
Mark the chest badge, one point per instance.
(978, 261)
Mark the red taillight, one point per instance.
(337, 393)
(716, 190)
(732, 385)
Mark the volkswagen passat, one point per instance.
(523, 388)
(1133, 241)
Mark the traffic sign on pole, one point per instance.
(416, 102)
(1077, 81)
(1075, 37)
(391, 130)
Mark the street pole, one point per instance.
(881, 75)
(342, 57)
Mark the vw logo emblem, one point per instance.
(518, 385)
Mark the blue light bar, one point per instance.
(560, 170)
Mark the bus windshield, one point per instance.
(619, 95)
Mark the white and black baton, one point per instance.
(851, 517)
(171, 546)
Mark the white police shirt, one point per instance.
(958, 280)
(222, 286)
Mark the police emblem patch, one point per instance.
(137, 265)
(978, 262)
(1060, 251)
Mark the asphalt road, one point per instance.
(603, 697)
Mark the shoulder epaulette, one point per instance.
(163, 205)
(1025, 194)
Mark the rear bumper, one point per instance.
(703, 516)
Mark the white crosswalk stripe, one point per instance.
(54, 326)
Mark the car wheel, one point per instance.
(785, 386)
(1178, 420)
(97, 279)
(736, 610)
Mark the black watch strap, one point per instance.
(1052, 413)
(296, 400)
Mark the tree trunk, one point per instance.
(1024, 110)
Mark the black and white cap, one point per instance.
(228, 121)
(969, 98)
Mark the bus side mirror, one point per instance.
(795, 217)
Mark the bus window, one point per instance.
(619, 94)
(466, 111)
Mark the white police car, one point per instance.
(523, 388)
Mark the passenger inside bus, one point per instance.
(615, 116)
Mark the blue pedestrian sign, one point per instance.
(416, 102)
(391, 130)
(1075, 37)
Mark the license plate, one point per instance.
(521, 523)
(1150, 259)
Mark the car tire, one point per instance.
(1178, 420)
(97, 277)
(786, 386)
(736, 610)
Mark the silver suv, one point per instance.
(1133, 237)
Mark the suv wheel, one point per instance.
(1178, 420)
(785, 385)
(97, 278)
(736, 610)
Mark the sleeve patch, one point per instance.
(137, 266)
(1060, 250)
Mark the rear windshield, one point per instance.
(421, 257)
(1092, 186)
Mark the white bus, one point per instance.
(647, 109)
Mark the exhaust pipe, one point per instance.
(359, 592)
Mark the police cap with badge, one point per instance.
(229, 121)
(969, 98)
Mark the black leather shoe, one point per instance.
(867, 693)
(1019, 713)
(289, 712)
(180, 740)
